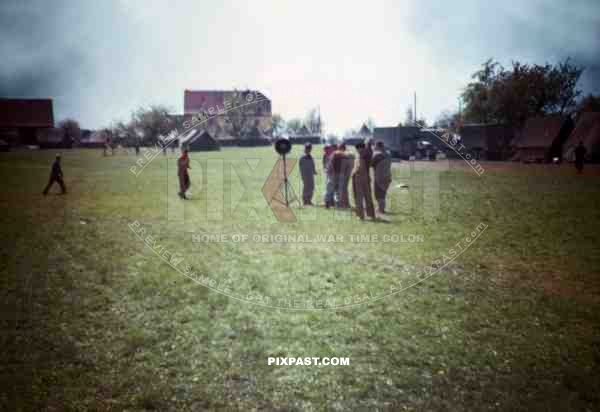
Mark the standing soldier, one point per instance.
(307, 172)
(328, 172)
(137, 146)
(347, 167)
(382, 166)
(361, 183)
(56, 175)
(339, 165)
(579, 157)
(183, 164)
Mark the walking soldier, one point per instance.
(56, 175)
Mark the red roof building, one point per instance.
(21, 119)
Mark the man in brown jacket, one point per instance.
(361, 183)
(382, 166)
(341, 165)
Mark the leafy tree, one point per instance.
(278, 125)
(498, 95)
(313, 121)
(151, 123)
(71, 131)
(293, 125)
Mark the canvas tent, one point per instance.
(305, 136)
(587, 130)
(197, 140)
(542, 138)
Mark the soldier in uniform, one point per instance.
(340, 164)
(580, 151)
(361, 183)
(328, 172)
(56, 175)
(382, 178)
(307, 172)
(183, 164)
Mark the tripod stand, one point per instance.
(286, 183)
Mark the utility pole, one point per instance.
(415, 109)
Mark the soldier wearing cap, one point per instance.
(183, 164)
(307, 172)
(382, 167)
(56, 175)
(361, 183)
(328, 172)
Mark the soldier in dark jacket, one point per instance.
(183, 164)
(56, 175)
(580, 156)
(382, 178)
(307, 172)
(361, 183)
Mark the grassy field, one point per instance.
(93, 319)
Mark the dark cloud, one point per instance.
(534, 31)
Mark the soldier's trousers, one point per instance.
(308, 187)
(329, 190)
(184, 182)
(363, 198)
(58, 180)
(340, 190)
(380, 189)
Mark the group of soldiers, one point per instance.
(342, 167)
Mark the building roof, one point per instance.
(195, 101)
(587, 130)
(541, 131)
(26, 113)
(365, 131)
(303, 131)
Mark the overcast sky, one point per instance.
(100, 60)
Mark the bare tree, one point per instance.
(71, 131)
(246, 108)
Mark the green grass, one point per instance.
(92, 319)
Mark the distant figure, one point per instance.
(307, 172)
(382, 178)
(361, 183)
(580, 152)
(137, 146)
(328, 172)
(174, 144)
(183, 164)
(56, 175)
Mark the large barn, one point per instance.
(542, 138)
(587, 131)
(22, 121)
